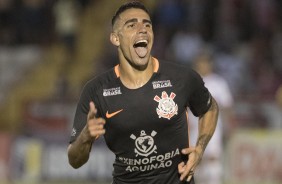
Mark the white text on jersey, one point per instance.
(112, 91)
(161, 84)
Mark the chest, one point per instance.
(154, 104)
(155, 113)
(144, 113)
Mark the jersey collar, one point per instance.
(156, 67)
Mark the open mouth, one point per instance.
(141, 48)
(140, 43)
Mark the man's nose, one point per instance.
(142, 28)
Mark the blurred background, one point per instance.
(50, 48)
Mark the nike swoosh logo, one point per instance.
(110, 115)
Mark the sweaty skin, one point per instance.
(133, 26)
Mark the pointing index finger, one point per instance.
(92, 110)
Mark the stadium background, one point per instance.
(49, 48)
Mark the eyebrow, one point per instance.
(135, 20)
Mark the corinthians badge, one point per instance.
(167, 107)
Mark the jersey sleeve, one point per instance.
(82, 109)
(199, 100)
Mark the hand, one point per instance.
(95, 125)
(195, 155)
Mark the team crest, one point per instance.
(144, 144)
(167, 107)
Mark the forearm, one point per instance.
(207, 125)
(78, 151)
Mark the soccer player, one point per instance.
(140, 107)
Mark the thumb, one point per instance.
(92, 111)
(189, 150)
(181, 167)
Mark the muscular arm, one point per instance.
(79, 150)
(207, 125)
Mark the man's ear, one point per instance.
(114, 39)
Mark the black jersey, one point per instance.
(146, 128)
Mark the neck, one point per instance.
(133, 77)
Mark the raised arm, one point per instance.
(207, 125)
(79, 150)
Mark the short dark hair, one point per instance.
(126, 6)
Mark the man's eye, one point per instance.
(131, 25)
(148, 25)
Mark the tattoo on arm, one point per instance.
(203, 140)
(207, 125)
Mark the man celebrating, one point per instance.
(140, 107)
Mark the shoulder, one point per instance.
(177, 70)
(101, 80)
(172, 65)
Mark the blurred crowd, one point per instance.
(244, 36)
(235, 45)
(243, 39)
(38, 21)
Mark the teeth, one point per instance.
(141, 41)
